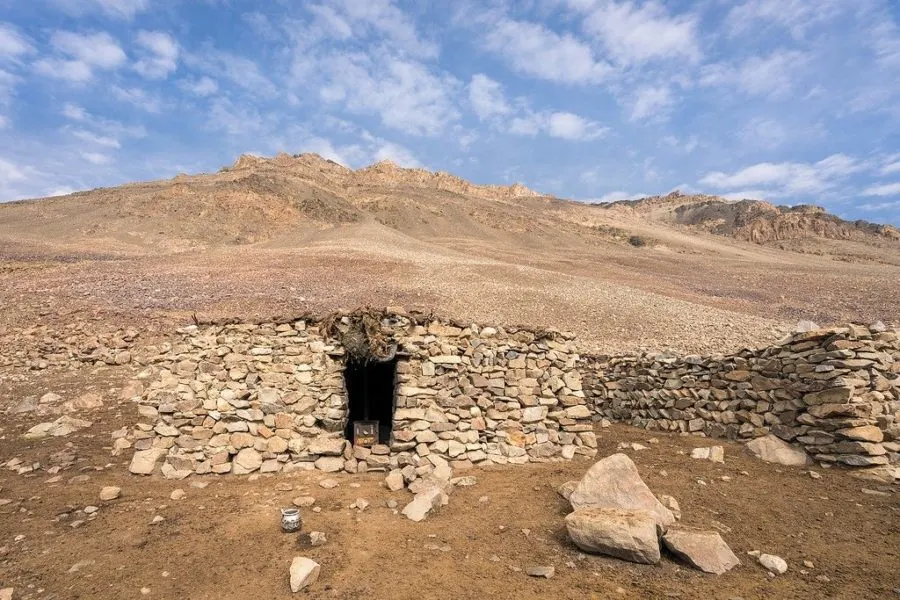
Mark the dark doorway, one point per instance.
(370, 394)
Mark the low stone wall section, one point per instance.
(834, 391)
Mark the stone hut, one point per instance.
(235, 397)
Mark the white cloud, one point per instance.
(110, 128)
(160, 54)
(398, 154)
(562, 125)
(233, 119)
(96, 158)
(651, 102)
(773, 75)
(93, 138)
(761, 132)
(99, 50)
(570, 126)
(787, 177)
(403, 93)
(86, 52)
(636, 34)
(535, 50)
(486, 97)
(357, 18)
(204, 86)
(12, 43)
(797, 16)
(893, 167)
(887, 189)
(74, 112)
(4, 122)
(138, 98)
(122, 9)
(241, 71)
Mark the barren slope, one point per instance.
(269, 236)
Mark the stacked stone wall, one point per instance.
(834, 391)
(270, 397)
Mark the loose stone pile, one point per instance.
(834, 391)
(238, 398)
(42, 347)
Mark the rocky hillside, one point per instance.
(755, 220)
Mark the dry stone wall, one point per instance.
(834, 391)
(241, 397)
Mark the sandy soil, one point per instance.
(224, 541)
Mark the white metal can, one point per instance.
(290, 519)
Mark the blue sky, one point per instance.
(793, 101)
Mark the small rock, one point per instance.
(394, 480)
(361, 504)
(145, 591)
(328, 483)
(303, 501)
(672, 504)
(157, 519)
(808, 564)
(177, 494)
(775, 564)
(467, 481)
(713, 453)
(89, 510)
(304, 572)
(110, 492)
(566, 489)
(317, 538)
(283, 487)
(80, 565)
(391, 503)
(538, 571)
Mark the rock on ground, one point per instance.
(110, 492)
(424, 502)
(713, 453)
(394, 480)
(545, 572)
(774, 450)
(672, 504)
(566, 489)
(144, 461)
(304, 572)
(614, 482)
(704, 550)
(58, 428)
(629, 534)
(6, 594)
(773, 563)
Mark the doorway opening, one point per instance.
(370, 395)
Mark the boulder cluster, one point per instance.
(835, 392)
(616, 514)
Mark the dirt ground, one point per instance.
(224, 541)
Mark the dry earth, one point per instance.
(300, 234)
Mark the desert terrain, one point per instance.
(123, 267)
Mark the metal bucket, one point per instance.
(290, 519)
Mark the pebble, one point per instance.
(808, 564)
(177, 494)
(317, 538)
(815, 475)
(303, 501)
(157, 519)
(392, 503)
(361, 504)
(110, 492)
(89, 510)
(283, 487)
(328, 483)
(199, 484)
(775, 564)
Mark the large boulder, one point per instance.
(614, 482)
(629, 534)
(704, 550)
(774, 450)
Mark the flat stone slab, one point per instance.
(703, 550)
(774, 450)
